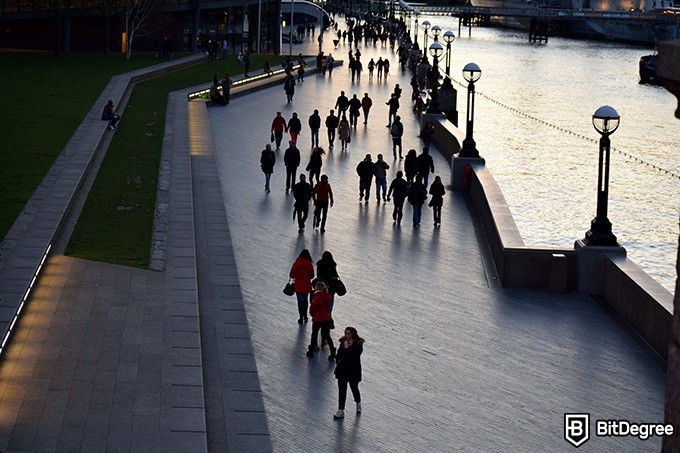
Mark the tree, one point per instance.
(135, 17)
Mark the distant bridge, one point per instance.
(658, 17)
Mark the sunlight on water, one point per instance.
(533, 126)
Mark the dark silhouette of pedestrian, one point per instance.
(246, 63)
(417, 194)
(354, 110)
(279, 126)
(267, 161)
(365, 170)
(332, 123)
(322, 194)
(366, 104)
(314, 126)
(294, 127)
(397, 131)
(398, 191)
(411, 165)
(342, 103)
(315, 163)
(437, 191)
(291, 159)
(302, 193)
(380, 171)
(425, 166)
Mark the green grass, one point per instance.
(116, 223)
(44, 99)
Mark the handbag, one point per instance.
(289, 289)
(271, 137)
(339, 287)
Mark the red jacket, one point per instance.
(303, 273)
(322, 193)
(320, 307)
(279, 124)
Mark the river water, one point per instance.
(533, 126)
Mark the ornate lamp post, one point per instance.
(448, 37)
(426, 27)
(605, 121)
(471, 73)
(416, 13)
(436, 50)
(436, 31)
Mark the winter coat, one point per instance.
(294, 124)
(348, 362)
(425, 164)
(291, 158)
(398, 189)
(343, 131)
(332, 121)
(417, 194)
(315, 162)
(267, 161)
(303, 273)
(302, 192)
(365, 170)
(322, 193)
(380, 169)
(320, 306)
(437, 191)
(314, 121)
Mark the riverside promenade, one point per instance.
(207, 355)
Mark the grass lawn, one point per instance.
(44, 99)
(116, 223)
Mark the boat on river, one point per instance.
(623, 30)
(647, 69)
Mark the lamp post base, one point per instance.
(469, 148)
(600, 234)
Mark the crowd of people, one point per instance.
(316, 287)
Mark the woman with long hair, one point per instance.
(302, 272)
(348, 369)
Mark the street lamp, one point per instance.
(426, 27)
(436, 50)
(471, 73)
(448, 37)
(416, 13)
(436, 31)
(605, 121)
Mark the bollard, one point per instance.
(557, 280)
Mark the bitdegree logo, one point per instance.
(615, 428)
(577, 432)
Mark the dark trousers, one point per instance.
(302, 216)
(290, 176)
(303, 304)
(320, 213)
(325, 333)
(342, 392)
(437, 214)
(398, 212)
(331, 136)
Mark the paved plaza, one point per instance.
(208, 355)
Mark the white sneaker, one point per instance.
(358, 408)
(339, 414)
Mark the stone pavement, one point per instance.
(208, 355)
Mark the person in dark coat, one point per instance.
(302, 272)
(354, 110)
(427, 133)
(332, 123)
(267, 161)
(314, 126)
(314, 165)
(396, 131)
(226, 88)
(365, 170)
(327, 271)
(246, 63)
(398, 190)
(417, 194)
(342, 103)
(294, 127)
(302, 193)
(289, 87)
(291, 159)
(425, 166)
(437, 191)
(348, 369)
(411, 165)
(322, 194)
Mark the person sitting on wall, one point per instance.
(216, 96)
(109, 114)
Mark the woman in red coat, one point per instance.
(303, 273)
(321, 319)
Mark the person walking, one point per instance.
(314, 126)
(327, 271)
(302, 193)
(289, 87)
(246, 63)
(366, 104)
(398, 191)
(321, 319)
(365, 170)
(329, 63)
(437, 191)
(397, 131)
(411, 165)
(417, 194)
(380, 171)
(354, 110)
(226, 87)
(302, 272)
(315, 163)
(267, 161)
(291, 159)
(322, 194)
(294, 127)
(393, 104)
(426, 134)
(371, 67)
(343, 133)
(348, 369)
(425, 166)
(342, 103)
(279, 126)
(332, 123)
